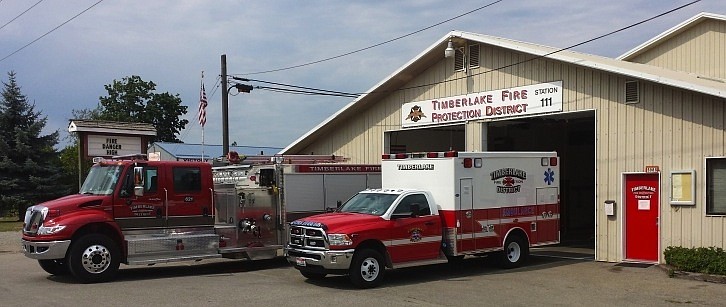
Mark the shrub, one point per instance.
(708, 260)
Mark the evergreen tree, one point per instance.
(30, 170)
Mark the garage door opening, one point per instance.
(572, 135)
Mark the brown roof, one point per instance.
(76, 125)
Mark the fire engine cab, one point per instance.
(133, 211)
(434, 207)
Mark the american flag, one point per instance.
(202, 106)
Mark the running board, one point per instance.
(419, 263)
(155, 260)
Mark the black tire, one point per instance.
(94, 258)
(367, 269)
(312, 275)
(515, 253)
(56, 267)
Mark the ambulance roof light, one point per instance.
(451, 154)
(401, 156)
(432, 155)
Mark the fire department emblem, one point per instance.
(508, 180)
(415, 234)
(416, 114)
(142, 210)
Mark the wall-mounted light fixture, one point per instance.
(449, 52)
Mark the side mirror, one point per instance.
(138, 181)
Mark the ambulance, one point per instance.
(432, 208)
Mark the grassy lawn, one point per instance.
(10, 224)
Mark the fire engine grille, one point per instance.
(308, 237)
(33, 221)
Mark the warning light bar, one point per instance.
(445, 154)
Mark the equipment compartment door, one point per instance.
(465, 221)
(642, 209)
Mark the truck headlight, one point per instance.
(43, 230)
(339, 239)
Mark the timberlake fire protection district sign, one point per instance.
(517, 101)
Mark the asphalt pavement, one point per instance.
(561, 277)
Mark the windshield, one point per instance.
(101, 180)
(369, 203)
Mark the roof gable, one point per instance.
(435, 53)
(670, 33)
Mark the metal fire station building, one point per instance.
(641, 138)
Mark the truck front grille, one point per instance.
(33, 220)
(307, 237)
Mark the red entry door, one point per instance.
(642, 210)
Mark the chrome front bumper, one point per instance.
(329, 260)
(45, 250)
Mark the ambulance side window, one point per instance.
(404, 207)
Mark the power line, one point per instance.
(505, 66)
(558, 50)
(300, 87)
(301, 92)
(373, 46)
(46, 33)
(21, 14)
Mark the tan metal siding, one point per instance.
(700, 50)
(671, 128)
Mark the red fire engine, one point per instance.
(134, 211)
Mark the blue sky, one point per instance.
(171, 42)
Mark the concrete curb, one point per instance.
(692, 276)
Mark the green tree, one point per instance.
(30, 169)
(133, 100)
(69, 155)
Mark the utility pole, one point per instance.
(225, 108)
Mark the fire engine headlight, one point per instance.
(49, 230)
(339, 239)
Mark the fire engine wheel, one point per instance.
(515, 252)
(367, 269)
(56, 267)
(94, 258)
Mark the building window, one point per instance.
(465, 58)
(716, 186)
(474, 56)
(459, 59)
(187, 179)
